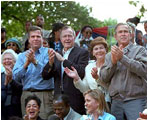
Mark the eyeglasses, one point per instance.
(11, 44)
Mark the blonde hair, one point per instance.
(99, 97)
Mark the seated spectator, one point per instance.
(84, 37)
(32, 105)
(13, 44)
(96, 106)
(10, 90)
(54, 38)
(62, 108)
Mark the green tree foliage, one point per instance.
(142, 9)
(14, 14)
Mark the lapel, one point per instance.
(72, 54)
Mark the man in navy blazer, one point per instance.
(68, 57)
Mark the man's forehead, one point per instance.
(123, 27)
(35, 32)
(67, 31)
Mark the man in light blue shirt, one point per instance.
(28, 69)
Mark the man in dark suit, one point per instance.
(68, 57)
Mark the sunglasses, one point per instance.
(11, 44)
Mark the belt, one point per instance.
(35, 90)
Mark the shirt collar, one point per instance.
(40, 50)
(102, 117)
(68, 51)
(128, 47)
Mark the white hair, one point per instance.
(9, 51)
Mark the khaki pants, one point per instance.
(46, 98)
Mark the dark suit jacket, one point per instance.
(78, 58)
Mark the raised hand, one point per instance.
(30, 56)
(116, 53)
(26, 117)
(59, 57)
(51, 54)
(94, 73)
(8, 77)
(72, 73)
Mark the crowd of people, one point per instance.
(61, 76)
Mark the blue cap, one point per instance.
(14, 40)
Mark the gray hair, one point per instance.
(119, 24)
(9, 51)
(68, 27)
(132, 26)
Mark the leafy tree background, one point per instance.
(14, 14)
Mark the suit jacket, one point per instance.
(72, 115)
(78, 58)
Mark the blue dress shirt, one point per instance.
(31, 78)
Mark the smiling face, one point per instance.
(99, 51)
(91, 104)
(60, 109)
(8, 60)
(32, 109)
(35, 39)
(67, 38)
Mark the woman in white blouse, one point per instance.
(98, 48)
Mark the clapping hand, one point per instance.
(51, 54)
(30, 56)
(8, 77)
(59, 57)
(26, 117)
(94, 73)
(116, 53)
(72, 73)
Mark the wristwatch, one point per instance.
(36, 62)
